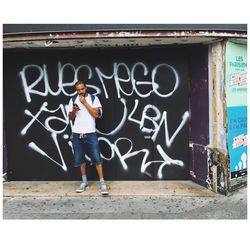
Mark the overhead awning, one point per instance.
(117, 35)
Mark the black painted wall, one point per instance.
(199, 121)
(144, 130)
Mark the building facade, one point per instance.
(174, 101)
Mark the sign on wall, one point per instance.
(236, 97)
(143, 132)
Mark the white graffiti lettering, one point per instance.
(46, 125)
(138, 79)
(40, 151)
(42, 79)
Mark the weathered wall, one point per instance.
(144, 131)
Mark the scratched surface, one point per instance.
(199, 129)
(144, 130)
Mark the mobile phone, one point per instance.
(76, 106)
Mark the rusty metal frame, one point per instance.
(102, 38)
(120, 34)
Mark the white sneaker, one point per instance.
(104, 190)
(82, 188)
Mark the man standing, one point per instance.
(84, 108)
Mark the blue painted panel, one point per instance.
(237, 140)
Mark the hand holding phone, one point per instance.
(76, 107)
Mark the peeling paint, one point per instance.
(218, 160)
(217, 100)
(118, 38)
(218, 170)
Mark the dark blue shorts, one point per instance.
(88, 145)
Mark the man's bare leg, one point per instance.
(103, 187)
(84, 184)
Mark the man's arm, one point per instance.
(93, 111)
(72, 114)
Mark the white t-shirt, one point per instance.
(84, 121)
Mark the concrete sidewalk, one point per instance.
(127, 200)
(116, 188)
